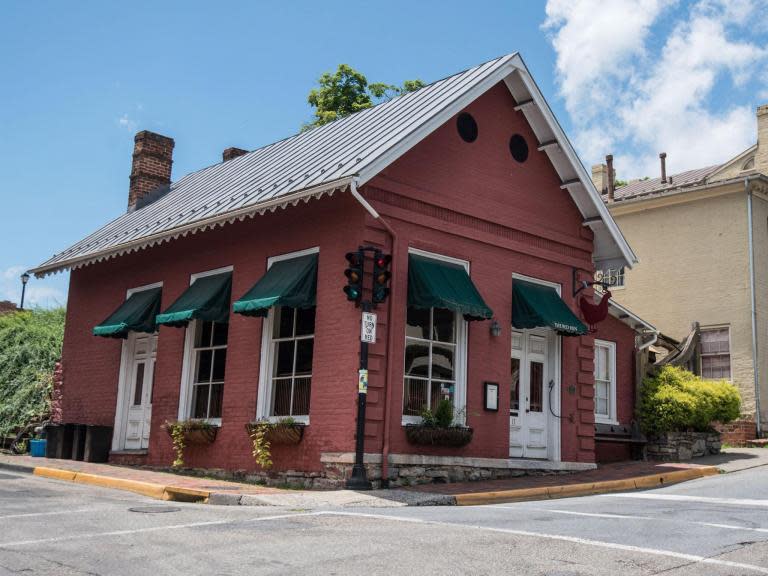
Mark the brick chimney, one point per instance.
(761, 156)
(230, 153)
(611, 176)
(600, 177)
(151, 169)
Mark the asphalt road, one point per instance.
(716, 525)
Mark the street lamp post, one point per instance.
(24, 280)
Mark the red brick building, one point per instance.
(471, 186)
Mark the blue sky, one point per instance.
(79, 79)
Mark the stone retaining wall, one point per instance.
(682, 446)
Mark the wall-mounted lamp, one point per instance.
(495, 328)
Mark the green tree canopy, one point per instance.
(347, 91)
(30, 346)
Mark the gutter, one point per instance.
(328, 188)
(755, 363)
(389, 378)
(651, 342)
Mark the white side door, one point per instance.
(139, 384)
(529, 405)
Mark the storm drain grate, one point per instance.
(154, 509)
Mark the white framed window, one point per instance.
(716, 353)
(287, 352)
(605, 382)
(612, 276)
(203, 370)
(209, 360)
(435, 356)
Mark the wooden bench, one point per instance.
(622, 434)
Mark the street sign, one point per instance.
(368, 328)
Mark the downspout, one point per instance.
(651, 342)
(755, 363)
(390, 333)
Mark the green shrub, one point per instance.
(30, 346)
(678, 400)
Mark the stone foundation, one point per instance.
(738, 432)
(682, 446)
(404, 470)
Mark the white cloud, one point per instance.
(127, 122)
(38, 293)
(635, 100)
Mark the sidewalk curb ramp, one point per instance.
(584, 489)
(157, 491)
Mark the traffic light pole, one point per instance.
(359, 480)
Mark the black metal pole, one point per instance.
(359, 479)
(23, 290)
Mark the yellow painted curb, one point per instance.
(54, 473)
(179, 494)
(145, 488)
(584, 489)
(568, 490)
(472, 499)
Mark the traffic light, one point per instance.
(354, 274)
(381, 276)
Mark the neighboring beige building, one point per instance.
(694, 233)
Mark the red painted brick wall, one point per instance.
(91, 364)
(470, 201)
(614, 330)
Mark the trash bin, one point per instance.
(78, 442)
(54, 434)
(64, 449)
(37, 448)
(98, 440)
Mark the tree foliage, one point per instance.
(347, 91)
(678, 400)
(30, 346)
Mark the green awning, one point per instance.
(439, 284)
(287, 283)
(207, 298)
(537, 306)
(136, 314)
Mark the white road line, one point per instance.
(732, 527)
(31, 514)
(682, 498)
(589, 514)
(572, 539)
(150, 529)
(626, 517)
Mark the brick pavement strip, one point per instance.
(167, 486)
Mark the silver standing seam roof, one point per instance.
(325, 160)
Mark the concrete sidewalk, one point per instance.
(621, 476)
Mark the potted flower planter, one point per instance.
(281, 433)
(201, 435)
(455, 436)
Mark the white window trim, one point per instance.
(730, 348)
(612, 413)
(188, 364)
(462, 330)
(264, 400)
(554, 439)
(122, 378)
(617, 286)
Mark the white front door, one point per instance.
(530, 382)
(139, 376)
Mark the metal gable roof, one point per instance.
(326, 159)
